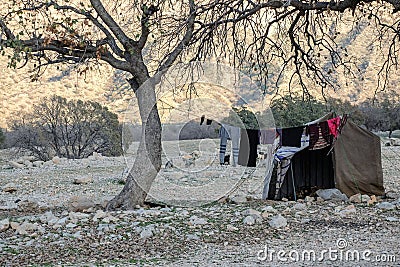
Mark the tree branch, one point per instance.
(112, 25)
(185, 40)
(147, 13)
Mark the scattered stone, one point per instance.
(396, 202)
(332, 194)
(372, 200)
(230, 227)
(239, 199)
(392, 219)
(38, 163)
(16, 165)
(278, 221)
(70, 225)
(254, 213)
(303, 221)
(9, 188)
(49, 218)
(269, 209)
(192, 237)
(56, 160)
(300, 206)
(348, 210)
(28, 164)
(285, 199)
(62, 221)
(194, 220)
(28, 206)
(83, 180)
(309, 199)
(80, 203)
(358, 198)
(394, 141)
(4, 224)
(386, 206)
(99, 215)
(146, 233)
(251, 212)
(249, 220)
(77, 216)
(266, 214)
(109, 219)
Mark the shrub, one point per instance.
(2, 138)
(383, 113)
(291, 111)
(68, 128)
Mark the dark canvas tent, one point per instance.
(354, 166)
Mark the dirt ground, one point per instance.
(44, 231)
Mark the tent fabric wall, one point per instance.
(355, 166)
(312, 169)
(357, 162)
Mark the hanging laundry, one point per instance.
(320, 136)
(208, 122)
(283, 158)
(267, 136)
(249, 140)
(305, 139)
(291, 136)
(279, 132)
(228, 132)
(333, 125)
(202, 119)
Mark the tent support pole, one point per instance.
(294, 188)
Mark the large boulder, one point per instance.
(332, 194)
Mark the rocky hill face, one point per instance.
(109, 87)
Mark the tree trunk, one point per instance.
(148, 158)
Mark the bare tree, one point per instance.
(146, 37)
(71, 129)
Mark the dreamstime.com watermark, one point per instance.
(340, 252)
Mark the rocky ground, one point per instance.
(52, 215)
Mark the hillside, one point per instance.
(107, 86)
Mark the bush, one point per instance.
(2, 138)
(383, 113)
(71, 129)
(291, 111)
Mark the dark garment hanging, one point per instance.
(249, 139)
(208, 122)
(320, 136)
(279, 132)
(267, 136)
(292, 136)
(202, 119)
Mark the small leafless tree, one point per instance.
(72, 129)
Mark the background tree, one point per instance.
(146, 37)
(382, 113)
(71, 129)
(2, 138)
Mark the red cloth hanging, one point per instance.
(334, 125)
